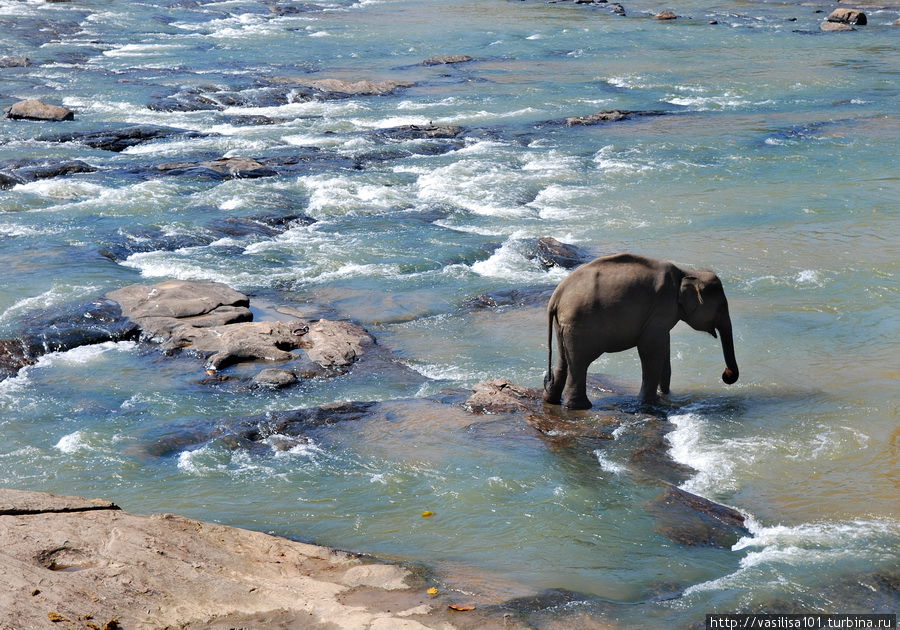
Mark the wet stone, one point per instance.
(550, 252)
(691, 520)
(118, 140)
(610, 115)
(33, 109)
(518, 297)
(446, 59)
(19, 171)
(227, 168)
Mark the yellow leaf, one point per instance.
(432, 591)
(427, 514)
(461, 607)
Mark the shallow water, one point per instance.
(773, 165)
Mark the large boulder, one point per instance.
(550, 252)
(847, 16)
(33, 109)
(666, 15)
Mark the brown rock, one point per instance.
(665, 15)
(123, 570)
(19, 502)
(446, 59)
(835, 27)
(847, 16)
(609, 115)
(36, 110)
(691, 520)
(336, 344)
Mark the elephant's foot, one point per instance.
(578, 403)
(552, 399)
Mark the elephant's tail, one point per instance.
(551, 318)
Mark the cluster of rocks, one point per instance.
(204, 319)
(843, 19)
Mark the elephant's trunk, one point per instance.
(730, 375)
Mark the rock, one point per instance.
(446, 59)
(61, 328)
(610, 115)
(118, 140)
(691, 520)
(617, 8)
(20, 171)
(213, 321)
(502, 396)
(14, 62)
(228, 168)
(847, 16)
(8, 180)
(36, 110)
(527, 296)
(349, 88)
(20, 502)
(665, 15)
(421, 132)
(550, 252)
(336, 344)
(274, 378)
(835, 27)
(121, 570)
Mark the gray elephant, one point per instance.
(624, 301)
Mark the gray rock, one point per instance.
(120, 139)
(25, 170)
(421, 132)
(665, 15)
(8, 180)
(32, 109)
(341, 87)
(550, 252)
(847, 16)
(229, 168)
(275, 378)
(14, 62)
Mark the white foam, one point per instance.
(607, 464)
(55, 295)
(72, 443)
(186, 460)
(142, 50)
(511, 262)
(62, 189)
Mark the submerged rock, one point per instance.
(334, 87)
(21, 171)
(227, 168)
(835, 27)
(62, 328)
(420, 132)
(610, 115)
(691, 520)
(526, 296)
(665, 15)
(446, 59)
(33, 109)
(118, 140)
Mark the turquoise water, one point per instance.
(775, 165)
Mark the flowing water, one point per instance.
(774, 163)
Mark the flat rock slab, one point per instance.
(19, 502)
(118, 140)
(352, 88)
(611, 115)
(228, 168)
(105, 565)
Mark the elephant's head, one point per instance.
(702, 304)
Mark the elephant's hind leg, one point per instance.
(555, 381)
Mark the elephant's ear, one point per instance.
(689, 296)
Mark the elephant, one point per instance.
(624, 301)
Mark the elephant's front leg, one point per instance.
(656, 367)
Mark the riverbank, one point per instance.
(84, 563)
